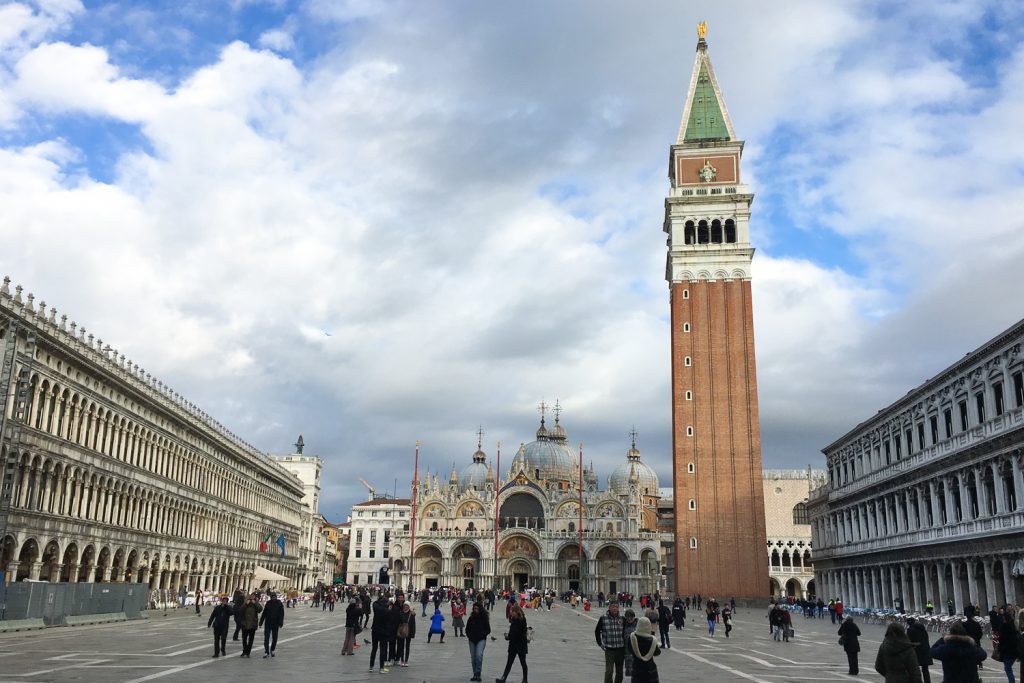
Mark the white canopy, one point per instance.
(264, 574)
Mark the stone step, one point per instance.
(21, 625)
(106, 618)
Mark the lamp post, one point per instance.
(412, 527)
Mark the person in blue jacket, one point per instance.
(435, 625)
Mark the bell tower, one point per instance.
(721, 545)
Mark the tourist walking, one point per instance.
(424, 599)
(608, 633)
(237, 603)
(727, 620)
(787, 624)
(643, 650)
(678, 614)
(897, 657)
(959, 654)
(628, 626)
(271, 621)
(353, 625)
(849, 639)
(918, 635)
(199, 600)
(405, 633)
(664, 621)
(250, 622)
(436, 622)
(379, 634)
(478, 627)
(1008, 640)
(517, 643)
(220, 620)
(709, 612)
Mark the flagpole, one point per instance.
(415, 485)
(581, 518)
(497, 492)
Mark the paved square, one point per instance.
(177, 647)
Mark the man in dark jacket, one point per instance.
(394, 619)
(271, 621)
(918, 635)
(424, 600)
(250, 622)
(237, 601)
(220, 620)
(959, 654)
(973, 629)
(353, 622)
(379, 633)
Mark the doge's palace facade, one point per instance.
(109, 476)
(925, 500)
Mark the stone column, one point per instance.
(90, 573)
(1009, 591)
(908, 599)
(943, 596)
(998, 488)
(933, 498)
(972, 581)
(958, 591)
(916, 603)
(990, 585)
(73, 572)
(1018, 482)
(965, 499)
(979, 485)
(947, 490)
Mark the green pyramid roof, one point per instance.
(706, 121)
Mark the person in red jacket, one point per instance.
(458, 612)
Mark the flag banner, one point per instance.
(280, 544)
(265, 543)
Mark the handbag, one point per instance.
(357, 629)
(842, 640)
(529, 634)
(403, 630)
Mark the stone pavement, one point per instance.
(177, 648)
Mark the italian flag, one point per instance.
(265, 543)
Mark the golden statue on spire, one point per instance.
(702, 30)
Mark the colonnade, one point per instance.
(983, 581)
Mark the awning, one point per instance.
(264, 574)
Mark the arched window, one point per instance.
(574, 572)
(730, 231)
(702, 232)
(471, 527)
(716, 231)
(689, 233)
(693, 504)
(433, 527)
(693, 542)
(800, 514)
(572, 526)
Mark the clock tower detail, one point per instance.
(721, 544)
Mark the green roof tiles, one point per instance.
(706, 121)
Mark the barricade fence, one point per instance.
(52, 602)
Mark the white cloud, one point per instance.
(455, 214)
(277, 39)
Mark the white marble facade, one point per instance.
(925, 500)
(112, 476)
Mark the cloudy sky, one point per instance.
(375, 222)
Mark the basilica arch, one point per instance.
(518, 561)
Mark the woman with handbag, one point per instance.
(517, 642)
(406, 632)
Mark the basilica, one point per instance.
(526, 528)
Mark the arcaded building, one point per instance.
(790, 556)
(539, 523)
(925, 499)
(109, 475)
(716, 455)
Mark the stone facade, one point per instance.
(374, 525)
(716, 459)
(788, 527)
(109, 475)
(925, 500)
(538, 527)
(313, 565)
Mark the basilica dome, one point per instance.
(550, 457)
(646, 479)
(474, 475)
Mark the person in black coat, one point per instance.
(406, 631)
(237, 601)
(960, 656)
(394, 619)
(849, 637)
(478, 627)
(353, 623)
(220, 620)
(919, 637)
(678, 614)
(271, 621)
(379, 633)
(517, 642)
(1008, 643)
(664, 621)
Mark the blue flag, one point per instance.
(280, 544)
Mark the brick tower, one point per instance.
(716, 451)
